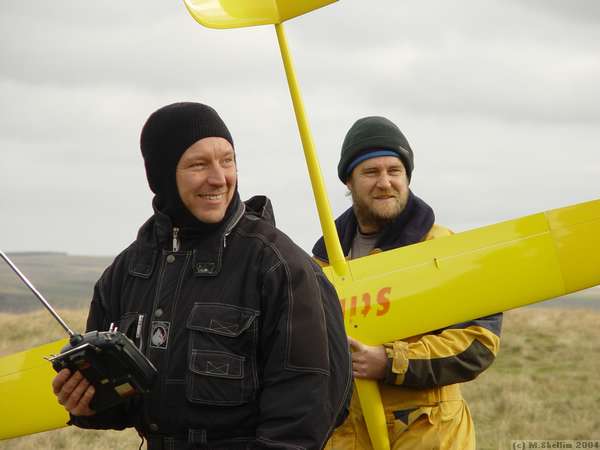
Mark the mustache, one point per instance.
(387, 193)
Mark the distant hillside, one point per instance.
(66, 281)
(587, 299)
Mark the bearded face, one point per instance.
(379, 188)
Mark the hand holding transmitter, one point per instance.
(109, 360)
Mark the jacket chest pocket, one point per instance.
(222, 354)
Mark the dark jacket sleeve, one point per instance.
(305, 358)
(455, 354)
(99, 318)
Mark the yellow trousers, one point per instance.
(445, 426)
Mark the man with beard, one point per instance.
(243, 327)
(418, 377)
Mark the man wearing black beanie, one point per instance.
(245, 330)
(419, 377)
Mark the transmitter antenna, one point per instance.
(37, 294)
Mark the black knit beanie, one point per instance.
(371, 134)
(169, 132)
(166, 135)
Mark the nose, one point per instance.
(216, 176)
(383, 181)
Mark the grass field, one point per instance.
(543, 385)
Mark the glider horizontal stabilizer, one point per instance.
(244, 13)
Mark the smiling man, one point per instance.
(205, 195)
(244, 329)
(418, 377)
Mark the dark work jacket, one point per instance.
(256, 354)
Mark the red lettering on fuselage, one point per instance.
(381, 296)
(366, 298)
(383, 301)
(353, 306)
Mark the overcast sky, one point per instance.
(500, 101)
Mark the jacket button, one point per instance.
(153, 427)
(158, 312)
(170, 258)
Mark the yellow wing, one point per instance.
(28, 404)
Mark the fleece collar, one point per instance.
(410, 227)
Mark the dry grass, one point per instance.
(75, 438)
(22, 331)
(543, 385)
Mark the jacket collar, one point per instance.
(410, 227)
(207, 247)
(260, 206)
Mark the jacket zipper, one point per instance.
(175, 239)
(232, 226)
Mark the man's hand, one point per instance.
(74, 392)
(368, 361)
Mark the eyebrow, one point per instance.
(192, 158)
(195, 158)
(378, 168)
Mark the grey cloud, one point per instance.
(578, 11)
(503, 86)
(360, 24)
(167, 48)
(500, 60)
(104, 15)
(495, 87)
(392, 53)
